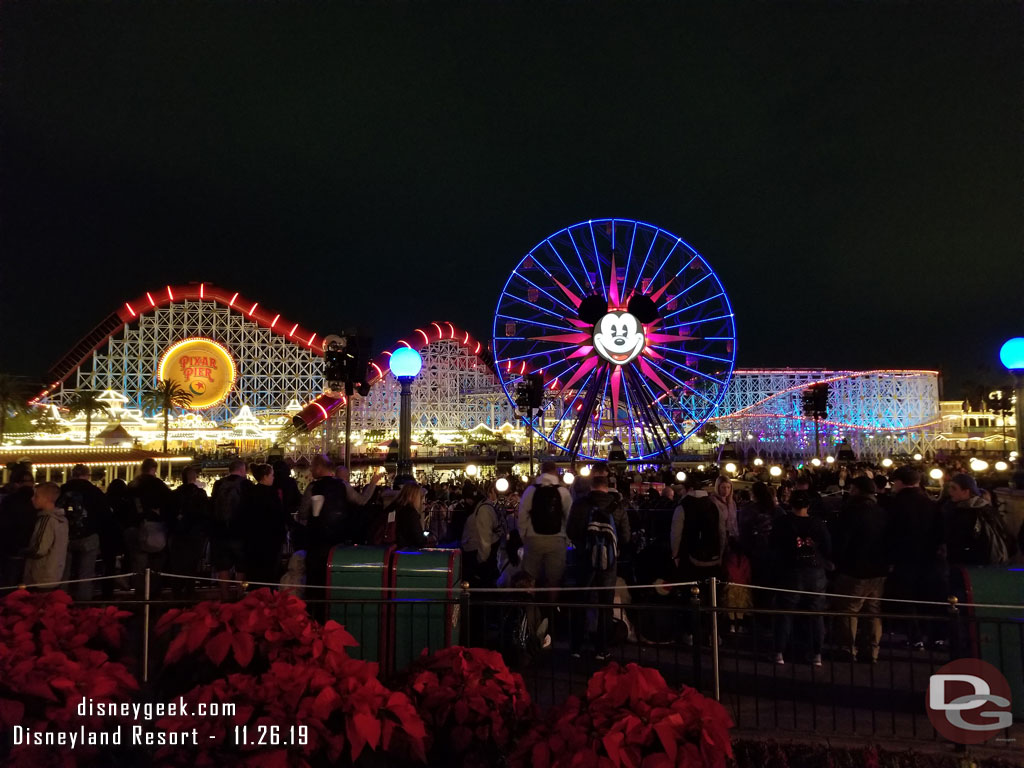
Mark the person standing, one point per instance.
(723, 499)
(189, 525)
(146, 538)
(482, 535)
(17, 521)
(87, 511)
(264, 525)
(802, 548)
(47, 550)
(323, 512)
(974, 533)
(861, 552)
(698, 541)
(543, 512)
(596, 542)
(915, 528)
(227, 550)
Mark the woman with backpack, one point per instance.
(482, 535)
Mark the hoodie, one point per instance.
(48, 549)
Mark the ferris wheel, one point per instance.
(631, 330)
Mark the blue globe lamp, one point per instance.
(1011, 355)
(405, 364)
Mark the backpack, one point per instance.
(995, 545)
(602, 542)
(227, 498)
(701, 531)
(73, 504)
(546, 509)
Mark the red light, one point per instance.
(440, 333)
(274, 321)
(387, 352)
(310, 342)
(466, 340)
(151, 302)
(380, 373)
(202, 290)
(170, 294)
(426, 340)
(253, 308)
(477, 350)
(405, 343)
(452, 329)
(232, 302)
(322, 409)
(129, 306)
(292, 331)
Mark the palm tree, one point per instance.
(12, 400)
(167, 395)
(87, 402)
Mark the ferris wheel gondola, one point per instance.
(631, 330)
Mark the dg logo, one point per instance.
(968, 701)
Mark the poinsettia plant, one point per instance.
(278, 667)
(52, 655)
(630, 716)
(472, 704)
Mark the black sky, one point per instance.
(852, 170)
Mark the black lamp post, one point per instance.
(405, 363)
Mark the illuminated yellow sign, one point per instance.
(201, 367)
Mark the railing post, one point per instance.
(715, 681)
(696, 635)
(956, 634)
(145, 627)
(464, 638)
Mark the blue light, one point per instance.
(405, 362)
(1012, 354)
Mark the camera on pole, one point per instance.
(346, 359)
(530, 391)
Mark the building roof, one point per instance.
(58, 456)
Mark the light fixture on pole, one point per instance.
(1012, 356)
(405, 364)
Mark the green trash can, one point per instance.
(999, 643)
(361, 574)
(425, 615)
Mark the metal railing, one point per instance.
(685, 632)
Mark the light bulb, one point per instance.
(585, 470)
(680, 476)
(730, 468)
(501, 486)
(775, 471)
(568, 478)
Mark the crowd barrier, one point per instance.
(683, 630)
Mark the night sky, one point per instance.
(852, 170)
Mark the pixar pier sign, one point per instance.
(202, 367)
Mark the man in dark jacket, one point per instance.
(861, 554)
(17, 522)
(969, 522)
(152, 501)
(189, 526)
(226, 527)
(915, 533)
(87, 511)
(601, 505)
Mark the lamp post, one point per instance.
(1012, 356)
(405, 363)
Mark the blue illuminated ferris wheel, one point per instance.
(631, 330)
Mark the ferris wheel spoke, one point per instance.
(698, 322)
(526, 302)
(529, 355)
(527, 323)
(600, 404)
(672, 351)
(689, 306)
(651, 417)
(586, 274)
(570, 310)
(657, 401)
(694, 371)
(629, 258)
(654, 277)
(650, 249)
(685, 291)
(597, 259)
(683, 384)
(572, 275)
(567, 410)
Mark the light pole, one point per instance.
(405, 363)
(1012, 356)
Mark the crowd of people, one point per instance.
(855, 532)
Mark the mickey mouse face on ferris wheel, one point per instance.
(619, 337)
